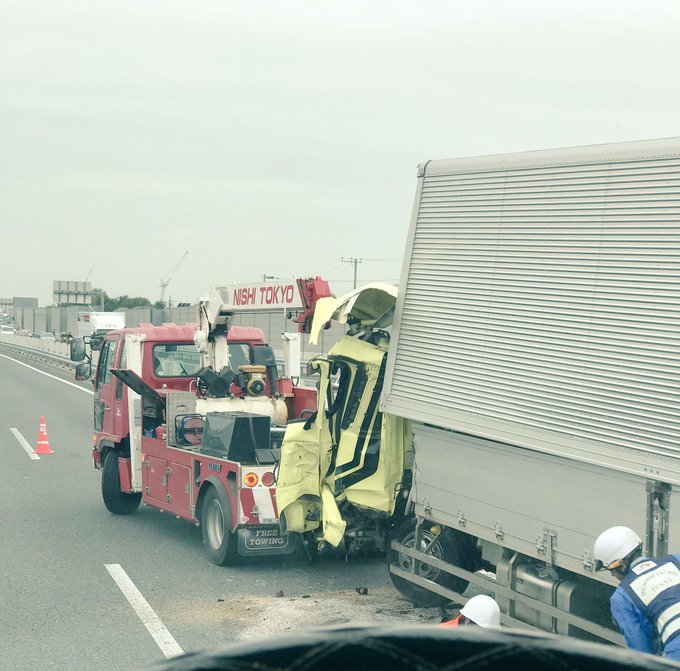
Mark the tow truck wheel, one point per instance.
(116, 502)
(218, 539)
(442, 546)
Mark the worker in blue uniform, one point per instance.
(646, 604)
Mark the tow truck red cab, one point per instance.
(161, 438)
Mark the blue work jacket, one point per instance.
(646, 606)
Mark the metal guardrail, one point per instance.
(57, 353)
(45, 351)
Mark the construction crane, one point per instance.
(165, 284)
(89, 294)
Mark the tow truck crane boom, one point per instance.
(298, 297)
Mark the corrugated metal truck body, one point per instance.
(536, 343)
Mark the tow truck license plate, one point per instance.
(265, 538)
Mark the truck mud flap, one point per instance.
(264, 539)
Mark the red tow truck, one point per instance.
(189, 419)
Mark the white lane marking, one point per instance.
(54, 377)
(24, 443)
(168, 645)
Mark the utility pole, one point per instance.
(355, 261)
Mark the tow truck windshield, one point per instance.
(175, 360)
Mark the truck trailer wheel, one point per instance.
(219, 540)
(116, 502)
(442, 546)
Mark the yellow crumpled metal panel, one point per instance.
(369, 456)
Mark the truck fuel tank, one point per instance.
(576, 595)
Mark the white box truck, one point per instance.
(535, 351)
(99, 323)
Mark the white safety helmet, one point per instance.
(484, 611)
(614, 545)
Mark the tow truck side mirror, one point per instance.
(96, 343)
(77, 349)
(83, 371)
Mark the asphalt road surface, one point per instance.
(83, 589)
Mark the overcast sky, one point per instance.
(278, 137)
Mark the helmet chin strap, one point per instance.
(619, 572)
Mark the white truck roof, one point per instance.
(539, 303)
(99, 322)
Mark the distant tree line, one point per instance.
(100, 297)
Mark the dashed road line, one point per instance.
(164, 639)
(24, 443)
(54, 377)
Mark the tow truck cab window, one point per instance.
(107, 356)
(176, 360)
(184, 360)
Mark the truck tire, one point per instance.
(219, 540)
(116, 502)
(443, 546)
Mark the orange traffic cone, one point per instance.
(43, 440)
